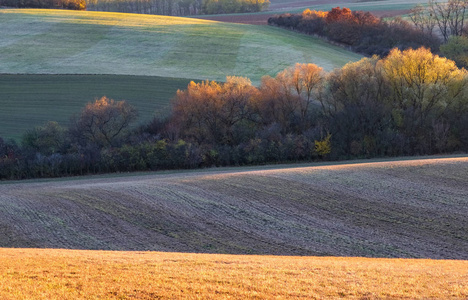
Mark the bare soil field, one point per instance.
(70, 274)
(407, 209)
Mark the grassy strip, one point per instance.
(65, 274)
(71, 42)
(31, 100)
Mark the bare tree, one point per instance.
(449, 17)
(422, 19)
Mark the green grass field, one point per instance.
(70, 42)
(32, 100)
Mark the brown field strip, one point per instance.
(404, 209)
(72, 274)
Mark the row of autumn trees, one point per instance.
(409, 103)
(158, 7)
(361, 31)
(67, 4)
(178, 7)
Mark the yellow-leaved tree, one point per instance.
(423, 86)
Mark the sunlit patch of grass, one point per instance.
(67, 274)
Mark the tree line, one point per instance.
(66, 4)
(360, 31)
(178, 7)
(411, 102)
(157, 7)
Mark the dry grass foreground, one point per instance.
(71, 274)
(404, 209)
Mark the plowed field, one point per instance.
(413, 208)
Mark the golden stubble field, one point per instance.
(78, 274)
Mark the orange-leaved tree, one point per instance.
(209, 112)
(102, 123)
(288, 95)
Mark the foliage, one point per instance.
(179, 7)
(46, 140)
(361, 31)
(286, 99)
(423, 87)
(410, 103)
(323, 147)
(456, 49)
(102, 123)
(212, 113)
(10, 154)
(354, 99)
(158, 7)
(234, 6)
(69, 4)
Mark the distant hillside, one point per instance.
(71, 42)
(414, 208)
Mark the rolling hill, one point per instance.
(32, 100)
(159, 53)
(70, 42)
(408, 209)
